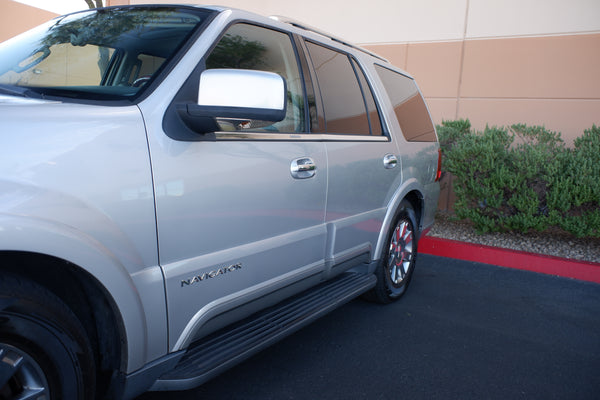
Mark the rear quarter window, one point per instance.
(409, 106)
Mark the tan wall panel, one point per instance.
(570, 117)
(394, 53)
(542, 67)
(16, 18)
(116, 2)
(441, 109)
(436, 67)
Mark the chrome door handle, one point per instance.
(390, 161)
(303, 168)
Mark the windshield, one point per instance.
(99, 54)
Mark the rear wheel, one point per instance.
(395, 270)
(44, 352)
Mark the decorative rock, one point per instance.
(552, 243)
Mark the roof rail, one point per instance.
(312, 29)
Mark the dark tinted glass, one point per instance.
(342, 97)
(409, 106)
(246, 46)
(374, 119)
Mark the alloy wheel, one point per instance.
(21, 377)
(400, 252)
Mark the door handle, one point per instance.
(303, 168)
(390, 161)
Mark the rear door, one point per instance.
(364, 167)
(235, 223)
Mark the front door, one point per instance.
(235, 223)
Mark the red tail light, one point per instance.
(438, 174)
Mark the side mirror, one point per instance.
(236, 94)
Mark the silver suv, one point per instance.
(182, 186)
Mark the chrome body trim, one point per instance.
(310, 137)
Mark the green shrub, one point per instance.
(523, 178)
(579, 207)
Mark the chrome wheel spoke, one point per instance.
(400, 252)
(9, 365)
(20, 375)
(33, 394)
(402, 271)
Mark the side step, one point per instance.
(223, 349)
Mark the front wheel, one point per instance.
(395, 270)
(44, 351)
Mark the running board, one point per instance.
(225, 348)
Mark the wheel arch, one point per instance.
(411, 191)
(87, 298)
(415, 198)
(56, 255)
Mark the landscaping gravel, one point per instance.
(553, 243)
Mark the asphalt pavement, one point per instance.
(463, 331)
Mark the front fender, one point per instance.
(30, 234)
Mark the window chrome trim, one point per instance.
(308, 137)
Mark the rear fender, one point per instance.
(411, 185)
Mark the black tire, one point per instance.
(395, 270)
(43, 346)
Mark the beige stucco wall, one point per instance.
(16, 18)
(492, 61)
(546, 80)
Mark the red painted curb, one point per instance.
(587, 271)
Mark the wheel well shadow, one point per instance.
(88, 300)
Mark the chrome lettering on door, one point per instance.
(211, 274)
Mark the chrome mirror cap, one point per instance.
(242, 88)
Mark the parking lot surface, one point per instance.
(463, 331)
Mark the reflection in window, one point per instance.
(68, 66)
(97, 54)
(233, 51)
(84, 67)
(409, 106)
(374, 119)
(247, 46)
(342, 96)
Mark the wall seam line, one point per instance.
(462, 61)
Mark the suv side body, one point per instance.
(156, 233)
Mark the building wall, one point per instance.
(518, 61)
(495, 62)
(16, 18)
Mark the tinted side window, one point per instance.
(409, 106)
(374, 118)
(247, 46)
(315, 108)
(343, 101)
